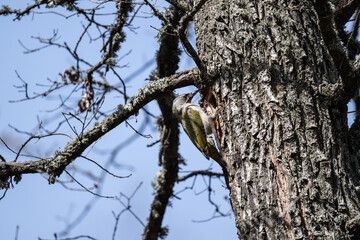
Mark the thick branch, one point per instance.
(56, 164)
(167, 60)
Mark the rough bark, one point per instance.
(292, 172)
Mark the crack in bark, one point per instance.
(282, 189)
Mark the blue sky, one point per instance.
(40, 209)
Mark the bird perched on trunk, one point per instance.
(197, 125)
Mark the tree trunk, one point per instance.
(292, 172)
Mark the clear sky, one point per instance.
(40, 209)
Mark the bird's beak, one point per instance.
(191, 95)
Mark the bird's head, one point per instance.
(181, 100)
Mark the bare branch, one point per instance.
(117, 218)
(127, 207)
(202, 173)
(205, 174)
(85, 188)
(56, 164)
(167, 63)
(104, 169)
(184, 22)
(7, 10)
(6, 189)
(181, 27)
(72, 238)
(143, 135)
(100, 180)
(156, 12)
(38, 137)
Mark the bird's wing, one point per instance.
(194, 128)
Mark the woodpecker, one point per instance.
(197, 125)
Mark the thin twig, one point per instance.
(145, 136)
(104, 169)
(86, 188)
(38, 137)
(6, 189)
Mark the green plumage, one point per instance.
(196, 125)
(194, 128)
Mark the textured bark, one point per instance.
(292, 172)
